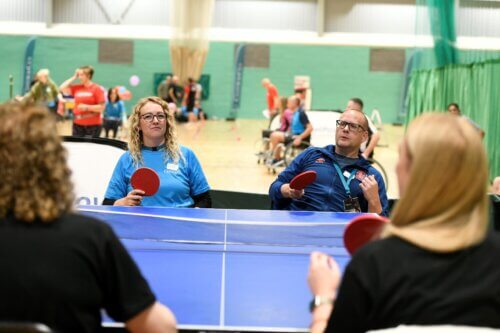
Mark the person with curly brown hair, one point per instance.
(153, 143)
(60, 268)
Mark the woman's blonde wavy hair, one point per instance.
(445, 206)
(34, 177)
(135, 142)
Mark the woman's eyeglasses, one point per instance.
(352, 126)
(149, 117)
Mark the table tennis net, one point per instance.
(223, 232)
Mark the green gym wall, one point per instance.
(337, 73)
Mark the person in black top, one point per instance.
(178, 90)
(190, 94)
(436, 262)
(190, 98)
(171, 92)
(60, 268)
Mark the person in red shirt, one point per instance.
(89, 102)
(272, 98)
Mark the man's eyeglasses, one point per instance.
(149, 117)
(352, 126)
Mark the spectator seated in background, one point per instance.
(434, 263)
(346, 182)
(285, 119)
(60, 268)
(153, 144)
(300, 129)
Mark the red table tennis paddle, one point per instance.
(145, 179)
(362, 230)
(302, 180)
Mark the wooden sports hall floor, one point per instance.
(226, 151)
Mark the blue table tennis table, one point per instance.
(228, 270)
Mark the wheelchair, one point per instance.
(262, 144)
(262, 147)
(377, 165)
(288, 152)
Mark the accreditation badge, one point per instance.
(172, 166)
(351, 205)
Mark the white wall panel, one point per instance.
(478, 18)
(262, 19)
(78, 12)
(474, 18)
(371, 16)
(143, 12)
(22, 10)
(266, 14)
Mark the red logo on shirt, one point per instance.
(360, 175)
(320, 160)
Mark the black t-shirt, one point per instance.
(179, 92)
(62, 273)
(344, 161)
(392, 282)
(191, 97)
(171, 92)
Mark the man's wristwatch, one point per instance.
(320, 300)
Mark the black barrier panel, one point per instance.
(239, 200)
(495, 211)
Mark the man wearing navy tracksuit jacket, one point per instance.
(361, 188)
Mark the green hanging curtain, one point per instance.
(474, 87)
(436, 18)
(451, 22)
(442, 22)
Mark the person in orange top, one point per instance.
(272, 96)
(89, 102)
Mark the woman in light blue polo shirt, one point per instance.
(153, 144)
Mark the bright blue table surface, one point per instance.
(228, 269)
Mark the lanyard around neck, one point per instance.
(343, 180)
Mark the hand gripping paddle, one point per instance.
(145, 179)
(361, 230)
(302, 180)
